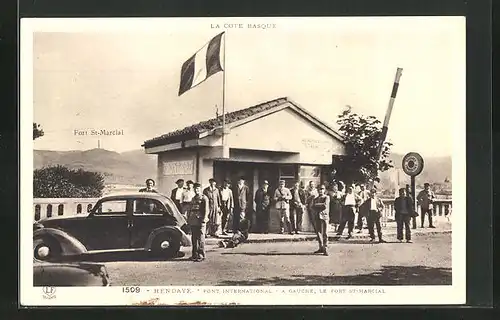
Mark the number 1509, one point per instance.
(131, 289)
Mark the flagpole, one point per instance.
(224, 97)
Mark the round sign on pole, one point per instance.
(413, 164)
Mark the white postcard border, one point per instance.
(393, 295)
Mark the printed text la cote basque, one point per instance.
(243, 25)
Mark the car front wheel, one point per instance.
(46, 249)
(167, 244)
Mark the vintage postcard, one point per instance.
(243, 161)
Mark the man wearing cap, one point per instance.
(197, 220)
(150, 183)
(187, 196)
(297, 207)
(350, 202)
(214, 201)
(363, 195)
(282, 196)
(321, 207)
(227, 205)
(176, 194)
(263, 205)
(241, 202)
(426, 199)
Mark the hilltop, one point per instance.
(133, 167)
(129, 168)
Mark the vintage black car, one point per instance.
(140, 221)
(81, 274)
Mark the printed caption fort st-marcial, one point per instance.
(98, 132)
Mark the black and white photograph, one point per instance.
(247, 161)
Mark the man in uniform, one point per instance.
(321, 211)
(282, 196)
(426, 199)
(197, 220)
(297, 207)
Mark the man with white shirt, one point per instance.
(176, 194)
(187, 196)
(350, 202)
(372, 208)
(363, 195)
(227, 205)
(282, 196)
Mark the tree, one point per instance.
(361, 136)
(61, 182)
(37, 131)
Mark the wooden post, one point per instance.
(414, 219)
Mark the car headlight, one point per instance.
(37, 226)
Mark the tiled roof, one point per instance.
(193, 131)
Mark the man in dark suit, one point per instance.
(414, 217)
(176, 194)
(241, 203)
(403, 206)
(263, 205)
(214, 201)
(297, 207)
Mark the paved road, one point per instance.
(425, 261)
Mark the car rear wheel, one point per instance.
(46, 249)
(167, 244)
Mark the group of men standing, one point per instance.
(208, 211)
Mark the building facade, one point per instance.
(274, 140)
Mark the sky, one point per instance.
(124, 74)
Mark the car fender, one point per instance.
(185, 241)
(69, 244)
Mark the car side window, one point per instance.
(148, 207)
(111, 207)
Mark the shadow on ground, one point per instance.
(118, 256)
(387, 275)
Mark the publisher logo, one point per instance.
(49, 292)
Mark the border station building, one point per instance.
(274, 140)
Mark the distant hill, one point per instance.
(436, 170)
(129, 168)
(133, 167)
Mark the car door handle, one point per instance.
(130, 224)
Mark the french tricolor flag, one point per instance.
(203, 64)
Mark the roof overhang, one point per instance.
(194, 139)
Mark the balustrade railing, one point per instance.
(442, 207)
(49, 207)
